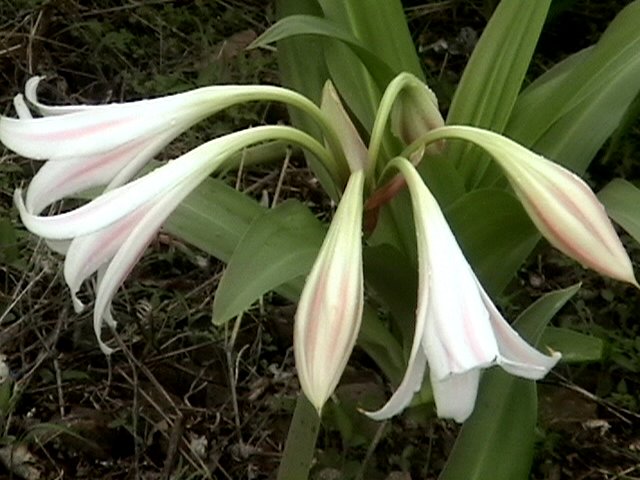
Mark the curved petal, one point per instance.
(88, 253)
(31, 94)
(87, 130)
(56, 180)
(561, 204)
(458, 335)
(411, 383)
(117, 203)
(516, 355)
(132, 249)
(455, 396)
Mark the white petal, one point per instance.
(132, 249)
(455, 396)
(330, 308)
(31, 93)
(458, 334)
(59, 179)
(21, 107)
(561, 204)
(411, 383)
(87, 253)
(86, 130)
(117, 203)
(516, 355)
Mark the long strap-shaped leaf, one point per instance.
(571, 110)
(493, 77)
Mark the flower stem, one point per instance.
(301, 442)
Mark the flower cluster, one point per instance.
(458, 331)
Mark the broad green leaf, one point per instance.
(496, 442)
(494, 233)
(214, 217)
(294, 25)
(393, 279)
(493, 77)
(575, 347)
(382, 26)
(579, 108)
(621, 199)
(280, 245)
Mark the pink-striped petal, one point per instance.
(117, 203)
(561, 204)
(87, 130)
(132, 249)
(88, 253)
(330, 307)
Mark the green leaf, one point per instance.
(213, 218)
(569, 113)
(621, 199)
(280, 245)
(575, 347)
(380, 25)
(294, 25)
(496, 442)
(299, 448)
(493, 77)
(495, 234)
(393, 279)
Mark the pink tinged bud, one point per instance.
(561, 204)
(458, 329)
(352, 145)
(330, 308)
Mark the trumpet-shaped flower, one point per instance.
(111, 232)
(458, 331)
(90, 146)
(330, 308)
(561, 205)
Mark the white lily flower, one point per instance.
(561, 205)
(89, 146)
(330, 308)
(112, 231)
(459, 331)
